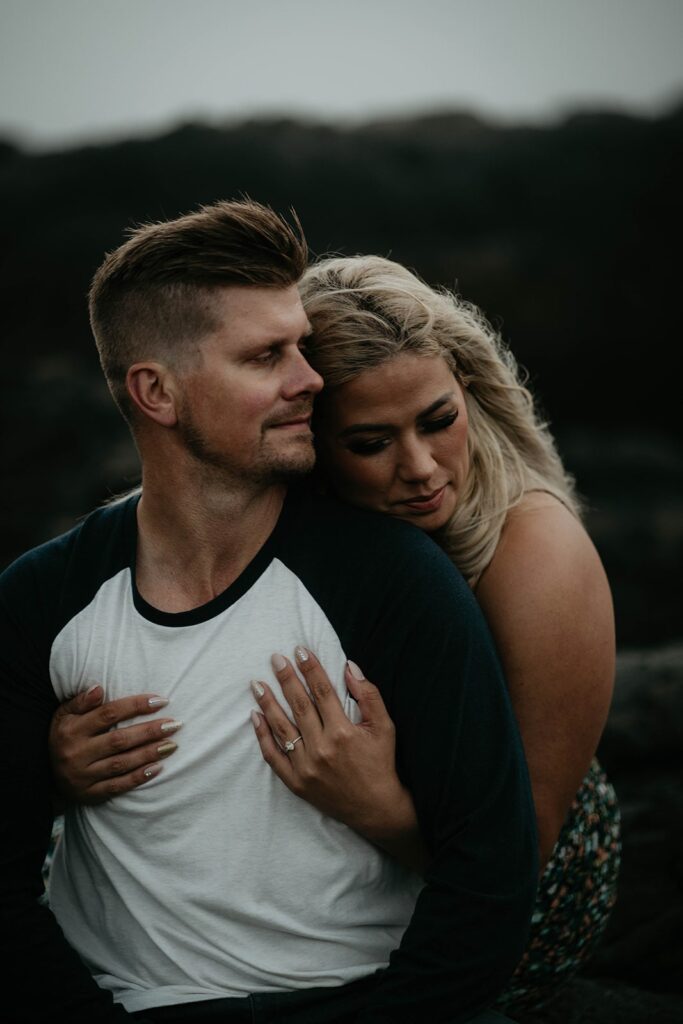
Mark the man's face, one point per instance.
(245, 409)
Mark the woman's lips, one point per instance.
(428, 503)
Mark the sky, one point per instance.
(73, 71)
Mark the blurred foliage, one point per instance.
(566, 236)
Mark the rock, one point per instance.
(584, 1001)
(645, 723)
(636, 974)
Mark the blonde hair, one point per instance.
(365, 310)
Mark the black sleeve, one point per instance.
(44, 979)
(459, 752)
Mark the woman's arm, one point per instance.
(548, 604)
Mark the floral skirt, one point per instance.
(575, 896)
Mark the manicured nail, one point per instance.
(301, 654)
(158, 702)
(152, 770)
(167, 748)
(171, 726)
(354, 670)
(257, 688)
(278, 662)
(255, 720)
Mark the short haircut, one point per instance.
(153, 296)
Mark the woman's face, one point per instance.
(394, 439)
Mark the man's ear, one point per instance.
(152, 388)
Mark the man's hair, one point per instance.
(154, 296)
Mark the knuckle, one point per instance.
(321, 689)
(307, 775)
(108, 716)
(67, 762)
(320, 757)
(63, 726)
(117, 767)
(342, 735)
(117, 741)
(115, 787)
(300, 705)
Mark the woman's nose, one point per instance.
(416, 461)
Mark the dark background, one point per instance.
(567, 236)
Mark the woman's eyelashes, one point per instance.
(442, 423)
(373, 445)
(377, 444)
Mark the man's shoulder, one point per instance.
(92, 547)
(344, 536)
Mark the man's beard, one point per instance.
(267, 468)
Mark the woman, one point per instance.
(424, 417)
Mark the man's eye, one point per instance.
(368, 447)
(443, 423)
(266, 357)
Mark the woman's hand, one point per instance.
(347, 771)
(93, 761)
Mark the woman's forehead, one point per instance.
(405, 383)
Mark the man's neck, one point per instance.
(192, 548)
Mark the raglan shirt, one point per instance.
(213, 879)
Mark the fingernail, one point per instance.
(301, 654)
(354, 670)
(257, 688)
(278, 662)
(152, 770)
(92, 689)
(255, 719)
(167, 748)
(171, 726)
(158, 702)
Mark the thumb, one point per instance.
(82, 702)
(367, 696)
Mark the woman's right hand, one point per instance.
(92, 760)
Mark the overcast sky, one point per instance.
(74, 70)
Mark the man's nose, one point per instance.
(303, 379)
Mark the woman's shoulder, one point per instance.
(543, 548)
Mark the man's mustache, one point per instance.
(297, 413)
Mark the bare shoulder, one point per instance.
(542, 545)
(546, 587)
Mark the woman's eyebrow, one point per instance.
(369, 428)
(436, 405)
(363, 428)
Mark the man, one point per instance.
(213, 892)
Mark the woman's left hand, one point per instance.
(347, 771)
